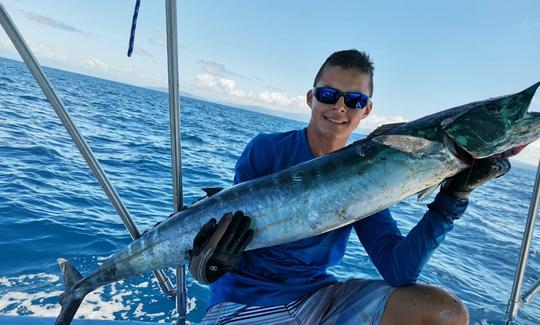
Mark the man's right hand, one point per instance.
(217, 248)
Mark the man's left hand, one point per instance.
(481, 171)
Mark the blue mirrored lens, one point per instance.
(356, 100)
(329, 95)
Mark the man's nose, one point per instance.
(340, 105)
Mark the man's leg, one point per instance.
(424, 304)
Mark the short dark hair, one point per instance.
(349, 59)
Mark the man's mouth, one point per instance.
(335, 121)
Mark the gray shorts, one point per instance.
(351, 302)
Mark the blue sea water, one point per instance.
(51, 206)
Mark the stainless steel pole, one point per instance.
(58, 106)
(527, 296)
(174, 111)
(515, 303)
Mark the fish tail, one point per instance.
(73, 295)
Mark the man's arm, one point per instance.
(400, 259)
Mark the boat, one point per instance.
(516, 300)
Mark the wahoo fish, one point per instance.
(393, 163)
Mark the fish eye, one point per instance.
(493, 108)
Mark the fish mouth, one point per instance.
(459, 152)
(468, 159)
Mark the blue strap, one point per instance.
(133, 25)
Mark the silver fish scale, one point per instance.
(298, 203)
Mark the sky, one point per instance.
(428, 55)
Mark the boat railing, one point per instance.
(516, 301)
(57, 104)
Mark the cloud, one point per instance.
(141, 51)
(373, 121)
(282, 100)
(51, 22)
(276, 100)
(530, 155)
(121, 74)
(209, 82)
(219, 70)
(98, 65)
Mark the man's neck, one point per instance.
(321, 145)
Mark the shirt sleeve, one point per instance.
(255, 160)
(400, 259)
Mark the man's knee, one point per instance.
(446, 308)
(424, 304)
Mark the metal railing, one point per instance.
(176, 153)
(58, 106)
(516, 301)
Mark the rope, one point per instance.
(133, 25)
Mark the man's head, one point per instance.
(349, 59)
(339, 99)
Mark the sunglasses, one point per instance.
(329, 95)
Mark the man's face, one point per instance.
(337, 121)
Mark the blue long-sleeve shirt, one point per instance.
(283, 273)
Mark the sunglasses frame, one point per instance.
(343, 94)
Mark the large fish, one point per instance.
(328, 192)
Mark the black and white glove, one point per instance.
(217, 248)
(482, 170)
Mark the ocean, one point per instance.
(51, 206)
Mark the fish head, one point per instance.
(499, 126)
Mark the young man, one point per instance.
(288, 284)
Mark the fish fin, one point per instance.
(71, 299)
(212, 190)
(405, 143)
(383, 128)
(424, 194)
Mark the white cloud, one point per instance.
(273, 99)
(229, 87)
(282, 101)
(44, 52)
(98, 65)
(209, 82)
(530, 155)
(373, 121)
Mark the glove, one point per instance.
(481, 171)
(217, 248)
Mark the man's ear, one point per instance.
(309, 98)
(367, 110)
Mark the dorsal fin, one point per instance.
(383, 128)
(212, 190)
